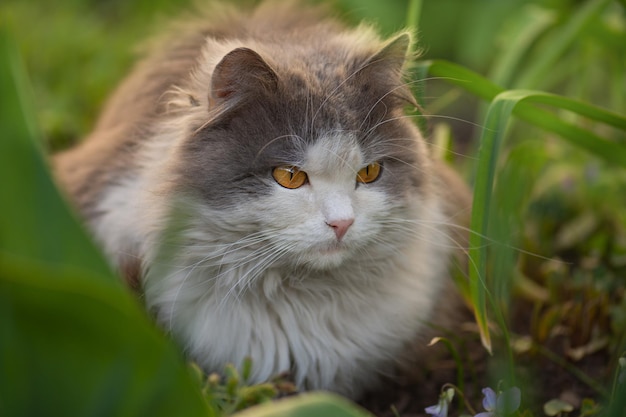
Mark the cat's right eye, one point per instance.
(289, 176)
(369, 173)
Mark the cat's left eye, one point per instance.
(289, 176)
(369, 173)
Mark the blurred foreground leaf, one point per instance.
(74, 346)
(73, 341)
(307, 405)
(34, 221)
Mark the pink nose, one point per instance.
(340, 227)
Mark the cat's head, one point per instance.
(305, 159)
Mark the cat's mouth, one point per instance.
(331, 255)
(333, 249)
(326, 255)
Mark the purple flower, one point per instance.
(502, 404)
(441, 408)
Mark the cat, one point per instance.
(257, 180)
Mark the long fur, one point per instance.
(175, 182)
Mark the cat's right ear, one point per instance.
(240, 74)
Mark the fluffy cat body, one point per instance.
(332, 280)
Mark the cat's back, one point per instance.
(187, 46)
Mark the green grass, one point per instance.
(532, 93)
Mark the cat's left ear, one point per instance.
(241, 74)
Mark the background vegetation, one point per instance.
(550, 217)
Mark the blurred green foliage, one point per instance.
(73, 341)
(555, 239)
(75, 52)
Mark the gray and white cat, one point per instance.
(257, 178)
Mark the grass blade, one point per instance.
(413, 17)
(522, 103)
(499, 113)
(532, 22)
(460, 76)
(555, 46)
(529, 112)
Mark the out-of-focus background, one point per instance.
(77, 50)
(558, 231)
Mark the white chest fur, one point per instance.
(286, 296)
(335, 330)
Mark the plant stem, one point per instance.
(413, 18)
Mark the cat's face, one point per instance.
(303, 168)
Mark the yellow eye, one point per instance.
(289, 176)
(369, 173)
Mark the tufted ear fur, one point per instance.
(384, 69)
(241, 73)
(394, 53)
